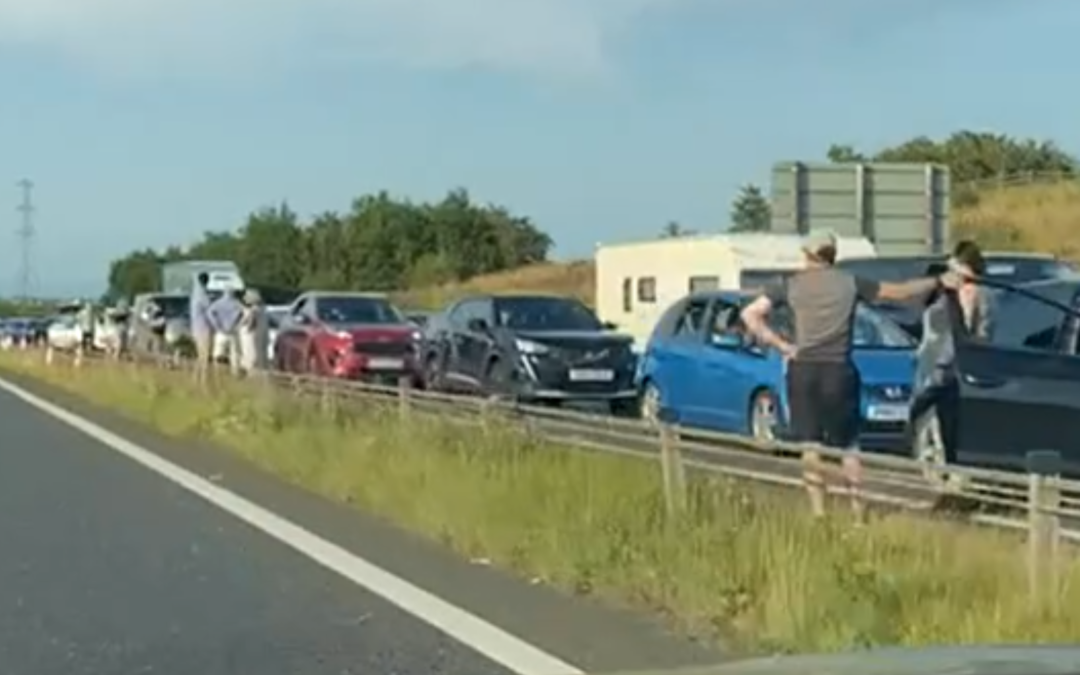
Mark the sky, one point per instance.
(147, 122)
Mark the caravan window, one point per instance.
(627, 295)
(703, 284)
(646, 289)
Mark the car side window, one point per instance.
(726, 319)
(692, 320)
(1030, 324)
(467, 311)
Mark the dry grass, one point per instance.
(745, 565)
(576, 279)
(1030, 218)
(1018, 218)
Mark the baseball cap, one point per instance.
(816, 240)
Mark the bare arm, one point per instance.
(906, 290)
(755, 317)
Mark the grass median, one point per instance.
(745, 566)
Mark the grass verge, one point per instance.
(744, 565)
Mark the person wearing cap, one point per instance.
(823, 383)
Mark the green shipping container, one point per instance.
(902, 208)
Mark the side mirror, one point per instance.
(477, 325)
(727, 341)
(610, 325)
(301, 319)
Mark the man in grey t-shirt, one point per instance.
(822, 382)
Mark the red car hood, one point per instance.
(380, 333)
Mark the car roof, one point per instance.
(374, 295)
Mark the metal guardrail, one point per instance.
(1041, 504)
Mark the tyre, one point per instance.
(625, 407)
(763, 415)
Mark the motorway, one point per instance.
(108, 566)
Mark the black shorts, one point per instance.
(823, 403)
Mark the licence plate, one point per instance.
(385, 364)
(580, 375)
(889, 412)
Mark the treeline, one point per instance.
(386, 243)
(380, 243)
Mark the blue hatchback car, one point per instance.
(699, 364)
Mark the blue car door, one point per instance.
(677, 362)
(733, 370)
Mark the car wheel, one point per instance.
(498, 378)
(625, 407)
(763, 415)
(651, 402)
(432, 374)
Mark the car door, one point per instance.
(292, 335)
(462, 343)
(1017, 397)
(676, 359)
(731, 369)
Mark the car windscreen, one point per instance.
(872, 330)
(356, 309)
(173, 306)
(545, 314)
(275, 317)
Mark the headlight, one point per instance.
(530, 347)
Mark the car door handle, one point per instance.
(984, 382)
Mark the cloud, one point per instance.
(539, 37)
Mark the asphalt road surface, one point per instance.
(107, 567)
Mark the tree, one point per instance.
(972, 156)
(675, 229)
(750, 212)
(381, 243)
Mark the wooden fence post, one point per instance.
(1044, 525)
(671, 465)
(404, 394)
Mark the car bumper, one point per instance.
(539, 394)
(382, 370)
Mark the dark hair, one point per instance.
(203, 278)
(935, 269)
(826, 254)
(969, 253)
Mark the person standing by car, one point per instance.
(201, 331)
(823, 384)
(224, 316)
(253, 333)
(934, 406)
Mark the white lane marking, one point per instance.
(489, 640)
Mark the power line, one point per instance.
(26, 233)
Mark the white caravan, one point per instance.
(637, 281)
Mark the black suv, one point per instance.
(1021, 390)
(535, 348)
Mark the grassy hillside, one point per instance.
(1042, 218)
(1021, 218)
(577, 279)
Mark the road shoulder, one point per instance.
(592, 636)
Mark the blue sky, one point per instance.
(145, 123)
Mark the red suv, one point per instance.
(347, 335)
